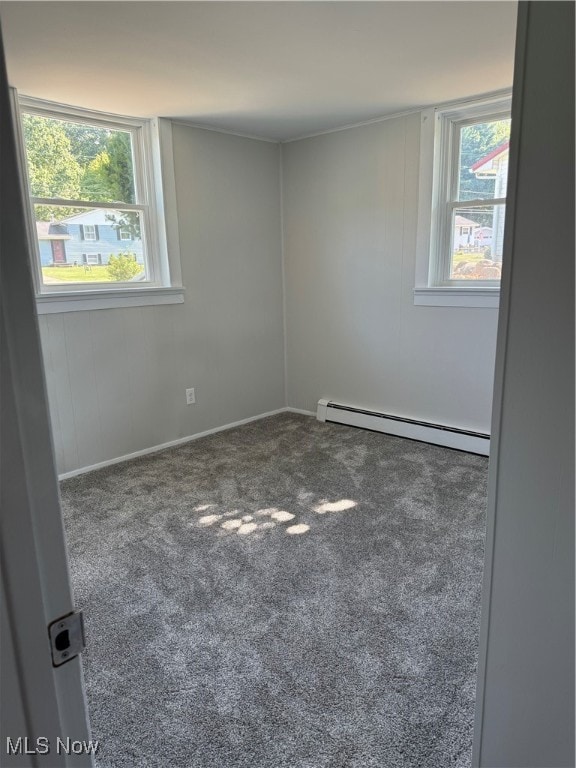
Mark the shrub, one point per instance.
(123, 267)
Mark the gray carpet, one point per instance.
(287, 594)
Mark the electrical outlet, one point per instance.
(190, 396)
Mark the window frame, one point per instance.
(122, 231)
(439, 173)
(155, 192)
(84, 234)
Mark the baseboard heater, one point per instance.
(437, 434)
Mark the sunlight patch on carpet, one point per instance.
(335, 506)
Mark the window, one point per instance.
(88, 232)
(96, 200)
(464, 173)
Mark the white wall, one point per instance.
(353, 332)
(116, 378)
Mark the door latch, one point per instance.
(66, 637)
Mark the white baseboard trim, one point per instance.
(174, 443)
(436, 434)
(301, 411)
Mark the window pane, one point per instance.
(477, 235)
(96, 245)
(483, 160)
(77, 161)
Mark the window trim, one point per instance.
(89, 239)
(155, 182)
(437, 169)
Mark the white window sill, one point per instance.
(89, 300)
(457, 297)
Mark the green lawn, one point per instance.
(460, 256)
(82, 274)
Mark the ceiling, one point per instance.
(277, 70)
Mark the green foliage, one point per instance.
(86, 141)
(52, 168)
(119, 170)
(76, 161)
(108, 177)
(94, 182)
(123, 266)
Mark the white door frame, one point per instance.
(38, 699)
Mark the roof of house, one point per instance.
(486, 162)
(92, 216)
(47, 230)
(461, 221)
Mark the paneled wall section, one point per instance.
(353, 332)
(117, 378)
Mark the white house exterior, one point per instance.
(495, 165)
(483, 237)
(463, 233)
